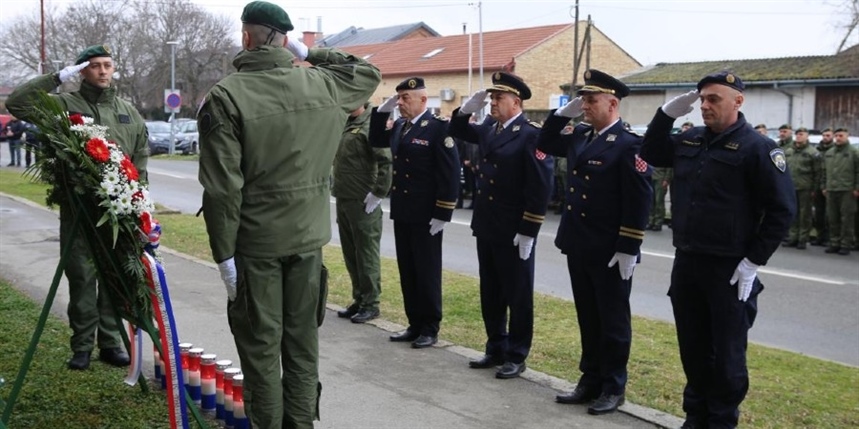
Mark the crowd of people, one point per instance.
(267, 224)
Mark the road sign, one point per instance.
(562, 100)
(172, 101)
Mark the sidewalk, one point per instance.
(368, 381)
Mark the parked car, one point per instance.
(187, 137)
(159, 137)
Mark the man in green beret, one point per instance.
(805, 166)
(90, 311)
(269, 134)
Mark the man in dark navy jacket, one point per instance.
(423, 196)
(607, 205)
(514, 180)
(733, 201)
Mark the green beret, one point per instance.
(802, 130)
(92, 52)
(268, 15)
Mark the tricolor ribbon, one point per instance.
(169, 340)
(136, 341)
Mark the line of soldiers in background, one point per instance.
(826, 180)
(20, 135)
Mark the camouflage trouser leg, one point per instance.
(274, 323)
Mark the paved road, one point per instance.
(809, 305)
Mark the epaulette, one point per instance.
(535, 124)
(440, 118)
(633, 132)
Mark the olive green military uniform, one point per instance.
(660, 178)
(786, 143)
(841, 179)
(269, 133)
(359, 169)
(89, 308)
(805, 165)
(821, 223)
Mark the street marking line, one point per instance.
(164, 173)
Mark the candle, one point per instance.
(208, 391)
(229, 373)
(194, 386)
(220, 367)
(240, 419)
(183, 357)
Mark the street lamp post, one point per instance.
(172, 146)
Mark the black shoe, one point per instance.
(788, 244)
(11, 164)
(405, 336)
(832, 249)
(114, 356)
(693, 424)
(80, 361)
(580, 395)
(819, 242)
(487, 361)
(844, 251)
(424, 341)
(605, 404)
(800, 246)
(657, 227)
(365, 316)
(510, 370)
(348, 312)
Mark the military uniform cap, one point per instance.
(785, 127)
(759, 126)
(723, 78)
(92, 52)
(411, 83)
(506, 82)
(268, 15)
(600, 82)
(802, 130)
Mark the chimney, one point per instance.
(309, 38)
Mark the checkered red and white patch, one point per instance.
(640, 164)
(540, 155)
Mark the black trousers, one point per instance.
(506, 282)
(602, 304)
(712, 331)
(419, 262)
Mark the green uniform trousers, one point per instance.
(274, 323)
(360, 234)
(800, 227)
(657, 209)
(90, 310)
(841, 208)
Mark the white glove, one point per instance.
(297, 48)
(371, 202)
(436, 225)
(625, 264)
(745, 273)
(525, 244)
(475, 103)
(71, 71)
(229, 276)
(681, 104)
(388, 105)
(573, 108)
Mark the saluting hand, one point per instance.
(70, 71)
(681, 104)
(573, 108)
(297, 48)
(388, 105)
(475, 103)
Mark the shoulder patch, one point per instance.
(535, 124)
(634, 133)
(440, 118)
(448, 142)
(778, 159)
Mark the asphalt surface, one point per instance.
(368, 381)
(809, 305)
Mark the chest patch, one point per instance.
(124, 119)
(777, 157)
(420, 142)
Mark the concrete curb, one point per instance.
(655, 417)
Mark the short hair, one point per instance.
(688, 124)
(262, 35)
(759, 126)
(842, 130)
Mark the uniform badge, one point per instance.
(777, 157)
(515, 128)
(424, 123)
(106, 49)
(539, 155)
(690, 143)
(594, 162)
(729, 78)
(448, 142)
(732, 146)
(356, 130)
(611, 137)
(421, 142)
(640, 164)
(497, 76)
(413, 83)
(587, 74)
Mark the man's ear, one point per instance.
(285, 40)
(246, 40)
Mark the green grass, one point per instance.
(788, 390)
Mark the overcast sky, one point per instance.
(651, 31)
